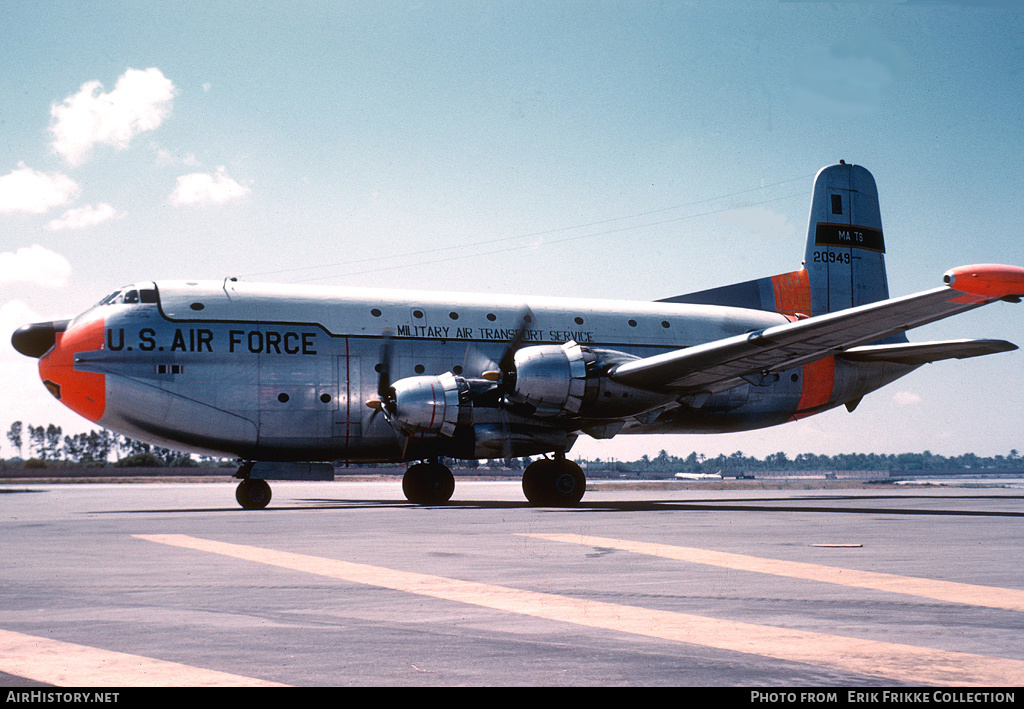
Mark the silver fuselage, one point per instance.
(267, 372)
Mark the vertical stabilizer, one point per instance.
(844, 258)
(845, 253)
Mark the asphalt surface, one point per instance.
(346, 584)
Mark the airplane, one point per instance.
(698, 476)
(289, 379)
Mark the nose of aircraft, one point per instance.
(55, 345)
(36, 339)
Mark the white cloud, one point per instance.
(203, 188)
(140, 101)
(28, 190)
(82, 217)
(906, 398)
(34, 264)
(759, 220)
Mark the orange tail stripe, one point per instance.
(819, 379)
(792, 293)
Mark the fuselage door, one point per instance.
(348, 409)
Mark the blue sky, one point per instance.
(593, 149)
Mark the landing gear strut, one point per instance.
(554, 483)
(428, 483)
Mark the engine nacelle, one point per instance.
(552, 378)
(569, 380)
(429, 406)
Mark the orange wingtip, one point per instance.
(987, 279)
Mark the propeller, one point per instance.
(385, 400)
(505, 375)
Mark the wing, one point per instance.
(724, 364)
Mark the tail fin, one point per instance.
(844, 260)
(845, 254)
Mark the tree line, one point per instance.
(780, 462)
(48, 444)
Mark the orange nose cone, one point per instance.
(85, 393)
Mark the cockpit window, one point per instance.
(110, 299)
(130, 296)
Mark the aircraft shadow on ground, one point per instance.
(760, 505)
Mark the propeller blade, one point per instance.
(507, 361)
(384, 368)
(385, 396)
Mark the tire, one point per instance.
(428, 484)
(253, 494)
(554, 483)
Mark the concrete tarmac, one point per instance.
(346, 584)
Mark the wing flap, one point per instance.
(723, 364)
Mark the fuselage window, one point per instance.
(147, 296)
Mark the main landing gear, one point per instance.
(429, 483)
(554, 482)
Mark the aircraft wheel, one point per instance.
(253, 494)
(554, 483)
(428, 484)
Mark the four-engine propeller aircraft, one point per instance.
(289, 379)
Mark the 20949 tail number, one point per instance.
(831, 257)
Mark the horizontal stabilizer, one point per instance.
(917, 353)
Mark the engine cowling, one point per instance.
(569, 380)
(429, 406)
(552, 378)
